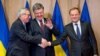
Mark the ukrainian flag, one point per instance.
(60, 50)
(4, 31)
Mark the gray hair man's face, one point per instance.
(24, 16)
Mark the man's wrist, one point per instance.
(49, 43)
(51, 27)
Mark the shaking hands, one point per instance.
(44, 43)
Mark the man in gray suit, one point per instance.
(20, 39)
(83, 42)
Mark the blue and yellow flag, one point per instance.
(60, 50)
(4, 31)
(85, 13)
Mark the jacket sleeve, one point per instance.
(61, 39)
(55, 31)
(22, 34)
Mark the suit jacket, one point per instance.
(20, 40)
(83, 46)
(47, 34)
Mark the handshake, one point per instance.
(44, 43)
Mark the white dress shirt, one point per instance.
(75, 27)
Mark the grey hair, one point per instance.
(37, 6)
(21, 11)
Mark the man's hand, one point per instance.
(44, 43)
(95, 55)
(49, 43)
(49, 24)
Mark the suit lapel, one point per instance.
(38, 26)
(73, 32)
(82, 29)
(20, 22)
(45, 22)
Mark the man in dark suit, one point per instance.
(83, 42)
(20, 38)
(44, 27)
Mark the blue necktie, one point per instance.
(78, 31)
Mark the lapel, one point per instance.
(73, 32)
(45, 22)
(37, 26)
(82, 28)
(20, 22)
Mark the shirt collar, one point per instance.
(77, 23)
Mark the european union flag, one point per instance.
(85, 17)
(4, 31)
(57, 19)
(85, 13)
(28, 7)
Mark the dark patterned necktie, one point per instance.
(42, 28)
(41, 25)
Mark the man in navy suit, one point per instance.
(83, 42)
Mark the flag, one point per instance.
(85, 13)
(4, 31)
(28, 7)
(85, 17)
(60, 50)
